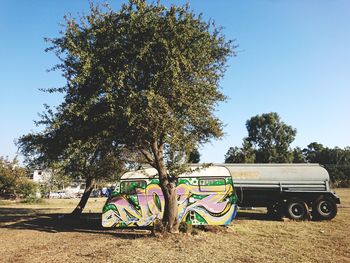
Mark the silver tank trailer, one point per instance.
(298, 191)
(286, 177)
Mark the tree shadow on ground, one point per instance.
(32, 219)
(37, 219)
(8, 214)
(254, 215)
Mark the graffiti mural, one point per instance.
(201, 201)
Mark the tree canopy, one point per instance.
(268, 141)
(141, 82)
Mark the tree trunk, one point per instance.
(170, 216)
(168, 185)
(90, 184)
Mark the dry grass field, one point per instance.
(37, 233)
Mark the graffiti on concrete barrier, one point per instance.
(200, 202)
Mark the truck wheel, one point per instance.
(297, 210)
(275, 211)
(324, 208)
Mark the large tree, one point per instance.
(271, 138)
(268, 141)
(141, 80)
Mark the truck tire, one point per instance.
(275, 211)
(297, 209)
(324, 208)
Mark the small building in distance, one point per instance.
(40, 176)
(49, 187)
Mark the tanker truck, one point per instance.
(210, 194)
(298, 191)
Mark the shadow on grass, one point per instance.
(37, 219)
(254, 215)
(34, 219)
(8, 215)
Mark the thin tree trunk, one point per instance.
(90, 184)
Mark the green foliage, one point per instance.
(270, 138)
(142, 84)
(145, 79)
(13, 180)
(25, 187)
(235, 155)
(339, 174)
(298, 155)
(315, 153)
(246, 154)
(335, 160)
(268, 141)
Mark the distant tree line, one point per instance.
(269, 140)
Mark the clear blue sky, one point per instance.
(293, 58)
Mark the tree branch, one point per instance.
(148, 157)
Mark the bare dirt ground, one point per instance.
(37, 233)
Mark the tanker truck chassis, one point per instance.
(298, 191)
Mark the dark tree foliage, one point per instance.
(245, 154)
(298, 155)
(335, 160)
(194, 156)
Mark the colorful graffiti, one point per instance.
(200, 201)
